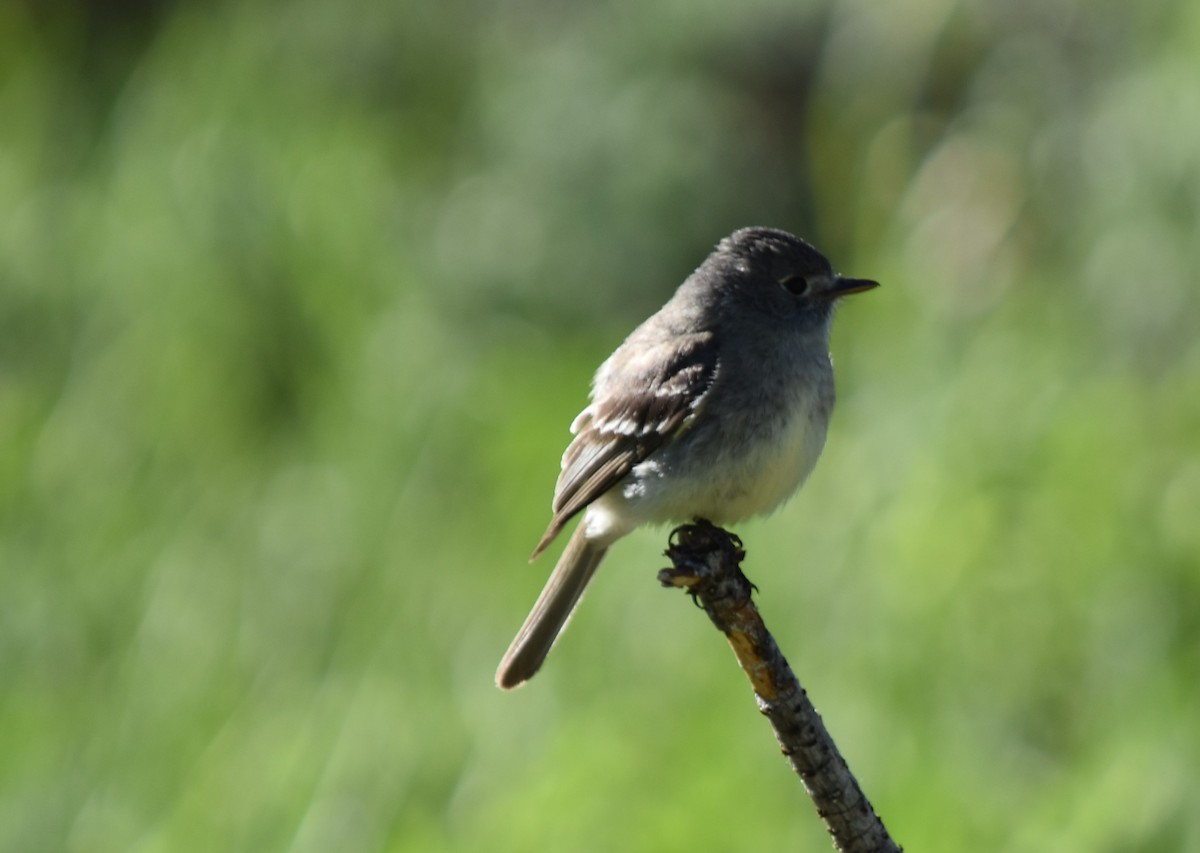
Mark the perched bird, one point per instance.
(714, 408)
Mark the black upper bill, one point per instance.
(845, 286)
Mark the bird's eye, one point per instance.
(795, 284)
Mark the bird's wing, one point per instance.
(637, 407)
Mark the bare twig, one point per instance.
(707, 565)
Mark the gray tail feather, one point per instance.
(551, 611)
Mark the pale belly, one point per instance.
(720, 483)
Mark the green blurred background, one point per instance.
(298, 299)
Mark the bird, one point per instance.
(714, 408)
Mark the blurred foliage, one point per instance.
(297, 301)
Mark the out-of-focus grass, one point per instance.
(296, 304)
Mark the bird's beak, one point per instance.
(845, 286)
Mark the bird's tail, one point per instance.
(551, 611)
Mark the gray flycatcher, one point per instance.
(715, 408)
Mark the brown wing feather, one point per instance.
(652, 400)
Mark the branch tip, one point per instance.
(707, 566)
